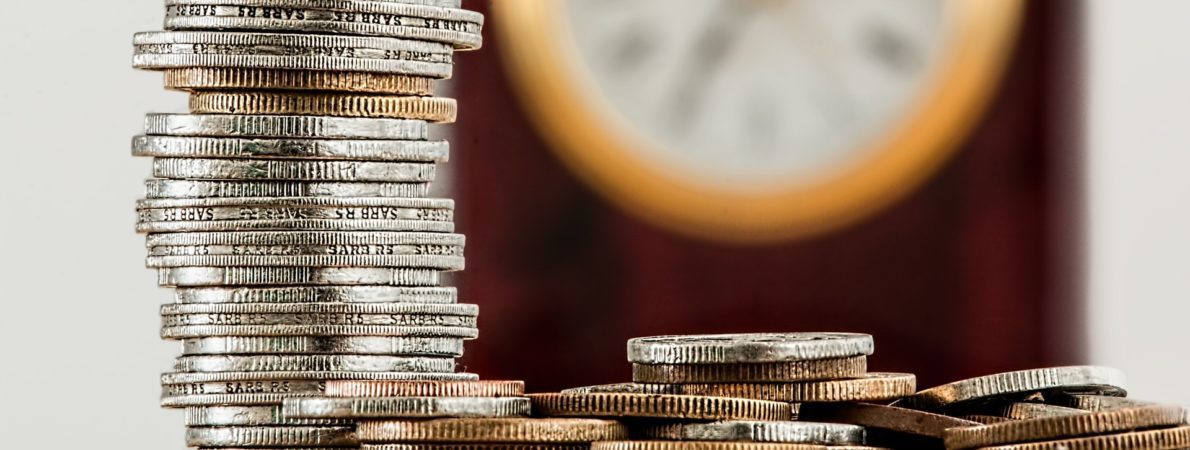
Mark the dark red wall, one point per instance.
(968, 275)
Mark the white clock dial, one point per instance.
(756, 90)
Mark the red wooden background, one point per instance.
(969, 275)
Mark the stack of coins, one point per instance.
(464, 415)
(289, 207)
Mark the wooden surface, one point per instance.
(969, 275)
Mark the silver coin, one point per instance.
(315, 345)
(230, 416)
(245, 389)
(292, 148)
(288, 127)
(758, 431)
(1074, 379)
(445, 263)
(292, 436)
(187, 189)
(459, 309)
(292, 170)
(181, 49)
(747, 348)
(306, 249)
(296, 276)
(1095, 403)
(627, 388)
(199, 331)
(318, 294)
(316, 319)
(419, 203)
(322, 376)
(405, 407)
(300, 224)
(458, 27)
(265, 238)
(296, 363)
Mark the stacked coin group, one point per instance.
(289, 207)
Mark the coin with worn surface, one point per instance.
(194, 189)
(295, 148)
(179, 49)
(819, 369)
(869, 387)
(298, 363)
(757, 431)
(687, 407)
(286, 127)
(1161, 439)
(294, 436)
(495, 430)
(317, 294)
(483, 388)
(1068, 426)
(458, 27)
(312, 345)
(429, 109)
(225, 78)
(984, 419)
(1026, 410)
(292, 170)
(239, 416)
(706, 445)
(747, 348)
(405, 407)
(903, 420)
(1095, 402)
(296, 276)
(1084, 379)
(629, 388)
(198, 331)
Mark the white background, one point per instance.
(80, 355)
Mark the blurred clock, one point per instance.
(755, 120)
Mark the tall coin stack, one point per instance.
(289, 208)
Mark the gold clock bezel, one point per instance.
(553, 92)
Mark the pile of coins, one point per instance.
(289, 209)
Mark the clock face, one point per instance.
(755, 120)
(751, 91)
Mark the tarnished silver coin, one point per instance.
(317, 345)
(758, 431)
(405, 407)
(317, 294)
(292, 148)
(1072, 379)
(293, 170)
(299, 363)
(292, 436)
(747, 348)
(239, 416)
(626, 388)
(287, 127)
(193, 189)
(296, 276)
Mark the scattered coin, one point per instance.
(747, 348)
(405, 407)
(504, 430)
(684, 407)
(820, 369)
(1084, 379)
(758, 431)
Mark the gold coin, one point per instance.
(708, 445)
(431, 109)
(492, 430)
(480, 388)
(1029, 411)
(822, 369)
(985, 419)
(1069, 426)
(220, 78)
(901, 420)
(1164, 439)
(684, 407)
(872, 386)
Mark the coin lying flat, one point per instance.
(872, 386)
(1168, 438)
(217, 377)
(317, 294)
(197, 189)
(198, 331)
(985, 419)
(705, 445)
(296, 276)
(478, 446)
(299, 363)
(405, 407)
(310, 345)
(287, 127)
(493, 430)
(758, 431)
(292, 170)
(292, 148)
(328, 238)
(687, 407)
(821, 369)
(240, 416)
(747, 348)
(484, 388)
(1028, 410)
(429, 109)
(271, 436)
(902, 420)
(1069, 426)
(1095, 402)
(1085, 379)
(226, 78)
(629, 388)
